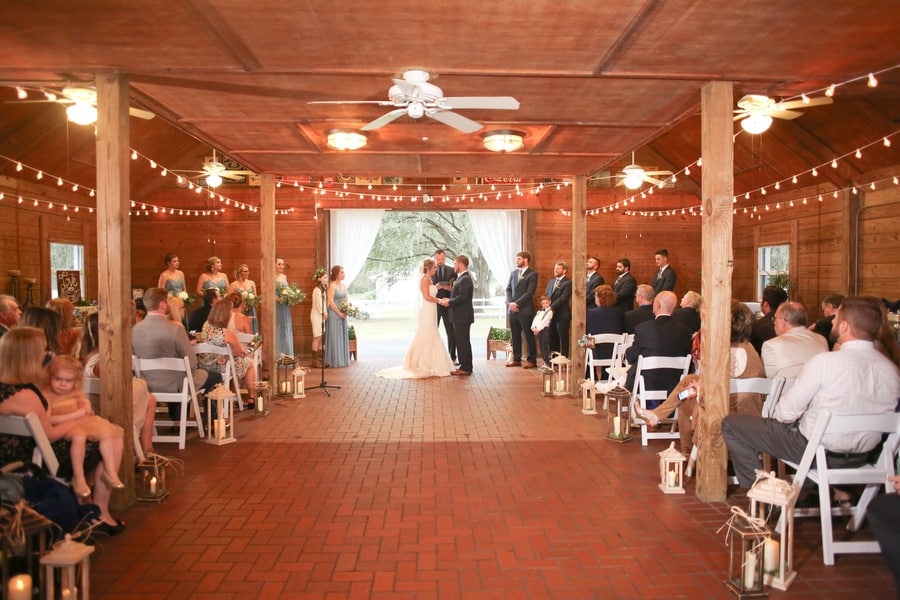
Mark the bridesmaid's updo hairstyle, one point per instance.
(427, 264)
(335, 271)
(237, 271)
(211, 261)
(169, 257)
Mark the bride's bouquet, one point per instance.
(291, 294)
(348, 309)
(251, 300)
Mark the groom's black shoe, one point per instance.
(459, 372)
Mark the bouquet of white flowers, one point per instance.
(251, 300)
(184, 297)
(348, 309)
(291, 295)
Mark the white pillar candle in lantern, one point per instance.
(299, 381)
(766, 493)
(745, 539)
(67, 559)
(262, 394)
(671, 465)
(588, 397)
(618, 417)
(19, 588)
(560, 365)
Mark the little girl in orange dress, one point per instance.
(67, 402)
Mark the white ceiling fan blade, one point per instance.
(140, 113)
(822, 100)
(381, 102)
(456, 121)
(652, 173)
(784, 114)
(743, 115)
(490, 102)
(384, 119)
(652, 180)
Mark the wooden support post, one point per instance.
(114, 266)
(717, 266)
(579, 255)
(267, 272)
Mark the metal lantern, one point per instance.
(262, 396)
(588, 397)
(561, 366)
(548, 382)
(618, 415)
(29, 542)
(220, 428)
(745, 540)
(284, 379)
(778, 555)
(671, 470)
(151, 479)
(68, 558)
(298, 377)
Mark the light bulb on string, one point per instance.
(815, 173)
(21, 94)
(794, 179)
(805, 98)
(830, 91)
(887, 143)
(834, 163)
(872, 82)
(134, 155)
(858, 154)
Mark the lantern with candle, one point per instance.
(548, 382)
(71, 561)
(220, 422)
(262, 396)
(671, 470)
(284, 379)
(23, 535)
(618, 415)
(766, 493)
(745, 539)
(560, 365)
(588, 397)
(151, 479)
(298, 376)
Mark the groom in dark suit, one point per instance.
(443, 278)
(462, 314)
(520, 300)
(559, 290)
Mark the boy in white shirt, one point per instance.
(540, 326)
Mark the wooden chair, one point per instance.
(92, 388)
(617, 340)
(642, 393)
(30, 426)
(813, 465)
(187, 398)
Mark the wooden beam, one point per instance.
(267, 272)
(717, 264)
(114, 265)
(579, 256)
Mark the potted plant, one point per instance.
(785, 282)
(498, 340)
(351, 336)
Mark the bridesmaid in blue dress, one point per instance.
(172, 279)
(242, 284)
(284, 329)
(337, 342)
(214, 278)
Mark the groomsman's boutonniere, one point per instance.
(556, 285)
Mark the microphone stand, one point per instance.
(323, 385)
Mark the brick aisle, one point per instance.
(453, 488)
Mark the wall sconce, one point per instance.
(503, 140)
(756, 123)
(346, 139)
(82, 113)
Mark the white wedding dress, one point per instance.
(427, 355)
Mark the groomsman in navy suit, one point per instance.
(664, 278)
(520, 300)
(559, 290)
(443, 278)
(462, 313)
(593, 279)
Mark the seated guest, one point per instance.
(884, 517)
(764, 328)
(47, 321)
(139, 311)
(745, 364)
(22, 352)
(857, 379)
(604, 318)
(176, 311)
(199, 316)
(238, 322)
(660, 337)
(793, 345)
(217, 333)
(689, 313)
(68, 336)
(9, 313)
(158, 337)
(644, 311)
(823, 326)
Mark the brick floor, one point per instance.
(451, 488)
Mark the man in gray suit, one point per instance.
(520, 300)
(158, 337)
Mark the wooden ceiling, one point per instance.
(595, 80)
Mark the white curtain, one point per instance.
(352, 234)
(499, 235)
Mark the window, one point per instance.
(66, 257)
(772, 261)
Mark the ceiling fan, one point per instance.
(215, 171)
(634, 176)
(415, 97)
(82, 104)
(756, 111)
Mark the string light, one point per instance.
(872, 82)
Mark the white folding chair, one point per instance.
(641, 393)
(872, 476)
(617, 340)
(30, 426)
(229, 376)
(92, 388)
(187, 398)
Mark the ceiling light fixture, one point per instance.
(82, 113)
(213, 180)
(756, 123)
(503, 140)
(346, 139)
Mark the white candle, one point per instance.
(749, 570)
(547, 386)
(284, 387)
(617, 426)
(672, 479)
(153, 486)
(300, 386)
(19, 588)
(560, 386)
(259, 404)
(771, 556)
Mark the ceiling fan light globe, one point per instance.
(756, 123)
(415, 110)
(81, 113)
(346, 139)
(213, 180)
(503, 140)
(633, 181)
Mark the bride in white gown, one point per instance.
(427, 355)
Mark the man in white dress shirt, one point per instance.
(793, 345)
(857, 379)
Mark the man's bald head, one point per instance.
(664, 303)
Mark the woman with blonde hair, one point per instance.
(284, 327)
(213, 278)
(217, 333)
(337, 341)
(68, 336)
(243, 285)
